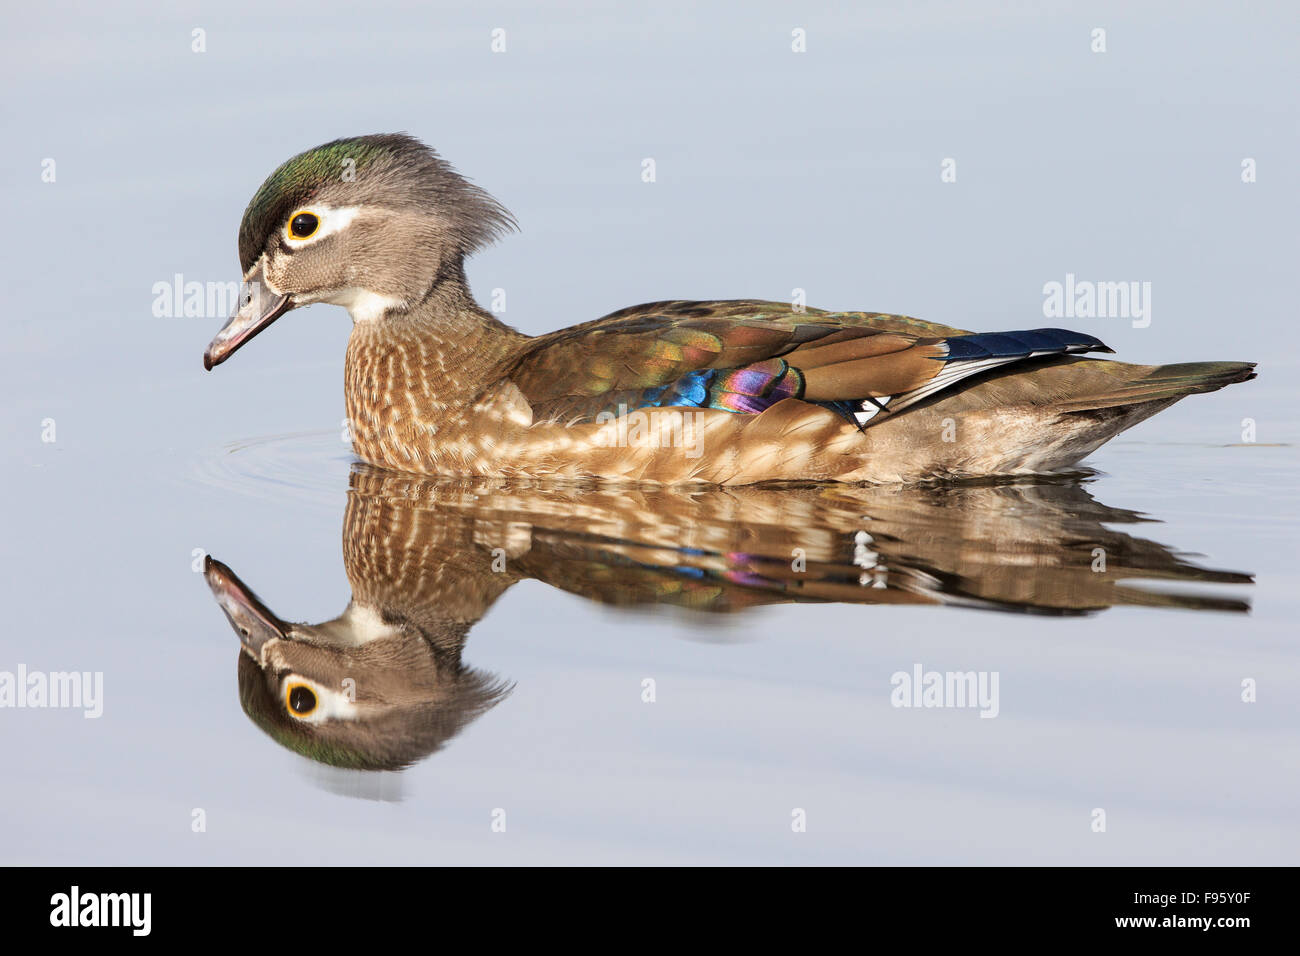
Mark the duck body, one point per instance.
(716, 392)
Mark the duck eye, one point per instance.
(301, 699)
(303, 225)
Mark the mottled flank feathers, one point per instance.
(743, 392)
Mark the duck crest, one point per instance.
(389, 168)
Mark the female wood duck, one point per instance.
(726, 392)
(385, 683)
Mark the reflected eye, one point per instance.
(303, 225)
(300, 699)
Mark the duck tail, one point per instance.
(1163, 383)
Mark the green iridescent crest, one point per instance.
(300, 178)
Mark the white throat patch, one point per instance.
(364, 305)
(355, 626)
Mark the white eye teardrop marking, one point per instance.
(328, 221)
(311, 702)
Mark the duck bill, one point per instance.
(258, 308)
(252, 620)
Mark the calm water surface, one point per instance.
(771, 622)
(528, 620)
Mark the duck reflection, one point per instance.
(384, 685)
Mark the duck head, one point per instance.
(371, 223)
(368, 690)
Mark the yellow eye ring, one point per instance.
(303, 224)
(300, 699)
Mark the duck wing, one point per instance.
(743, 356)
